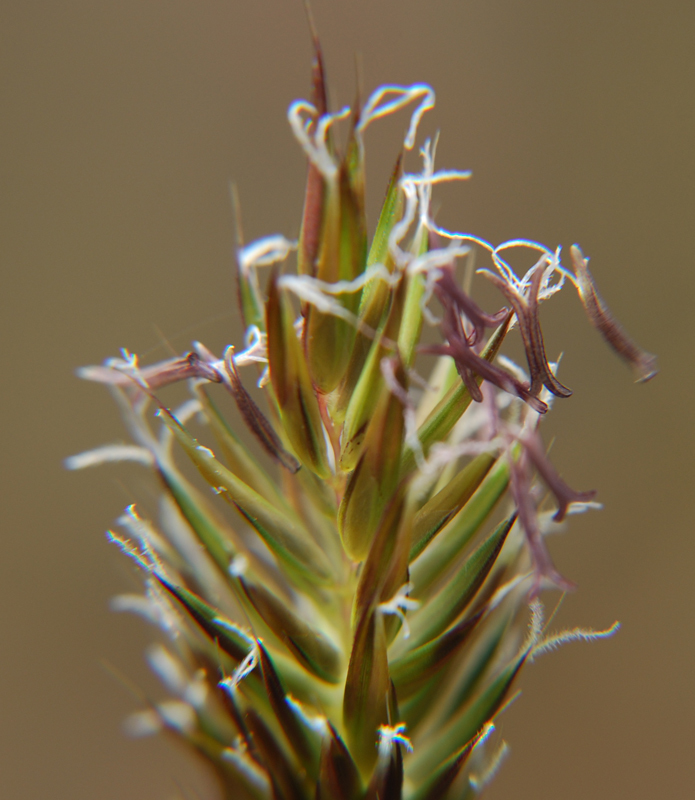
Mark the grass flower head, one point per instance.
(345, 605)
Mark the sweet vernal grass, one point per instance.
(347, 622)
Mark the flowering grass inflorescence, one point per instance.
(354, 626)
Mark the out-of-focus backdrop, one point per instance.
(122, 126)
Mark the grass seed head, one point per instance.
(346, 618)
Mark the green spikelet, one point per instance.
(347, 600)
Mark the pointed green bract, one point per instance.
(219, 546)
(239, 459)
(467, 724)
(436, 785)
(432, 517)
(375, 297)
(385, 569)
(390, 215)
(249, 301)
(312, 649)
(300, 741)
(314, 194)
(339, 778)
(299, 408)
(278, 531)
(341, 257)
(412, 318)
(387, 778)
(452, 539)
(450, 601)
(226, 633)
(371, 386)
(375, 477)
(420, 664)
(470, 678)
(367, 689)
(284, 776)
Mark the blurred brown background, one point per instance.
(122, 124)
